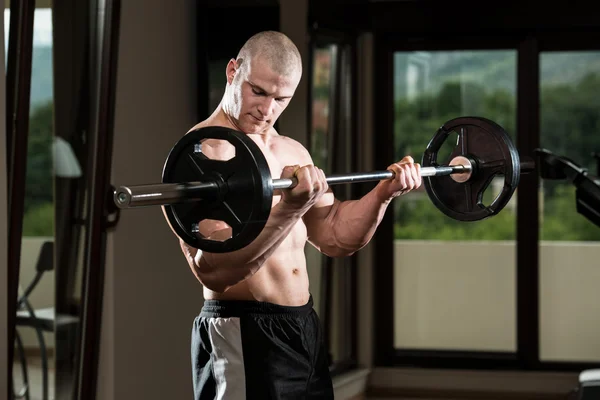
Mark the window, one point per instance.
(494, 293)
(433, 309)
(322, 83)
(570, 244)
(35, 344)
(333, 281)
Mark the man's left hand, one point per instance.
(407, 177)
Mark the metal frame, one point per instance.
(324, 37)
(99, 203)
(18, 85)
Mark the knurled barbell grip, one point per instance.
(173, 193)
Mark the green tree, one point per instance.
(561, 221)
(420, 219)
(570, 119)
(570, 126)
(39, 209)
(38, 184)
(39, 220)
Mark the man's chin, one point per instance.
(255, 128)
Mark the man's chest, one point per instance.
(277, 160)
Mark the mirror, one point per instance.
(66, 129)
(35, 339)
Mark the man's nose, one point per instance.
(266, 106)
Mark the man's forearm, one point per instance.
(353, 223)
(222, 270)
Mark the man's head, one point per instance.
(261, 81)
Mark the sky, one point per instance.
(42, 27)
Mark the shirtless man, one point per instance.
(257, 335)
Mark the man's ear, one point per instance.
(232, 68)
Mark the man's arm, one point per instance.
(340, 229)
(220, 271)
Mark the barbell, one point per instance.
(239, 191)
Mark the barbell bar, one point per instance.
(174, 193)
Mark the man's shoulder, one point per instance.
(201, 124)
(294, 145)
(291, 142)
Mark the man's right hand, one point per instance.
(312, 184)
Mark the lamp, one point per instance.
(65, 161)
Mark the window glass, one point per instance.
(570, 244)
(454, 282)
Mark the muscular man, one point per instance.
(257, 335)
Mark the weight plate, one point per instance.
(243, 198)
(490, 147)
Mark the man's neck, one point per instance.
(220, 118)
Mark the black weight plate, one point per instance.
(488, 144)
(243, 199)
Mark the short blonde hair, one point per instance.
(278, 50)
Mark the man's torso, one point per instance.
(283, 278)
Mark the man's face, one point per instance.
(258, 95)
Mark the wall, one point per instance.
(3, 229)
(150, 295)
(294, 121)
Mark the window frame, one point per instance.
(319, 38)
(528, 46)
